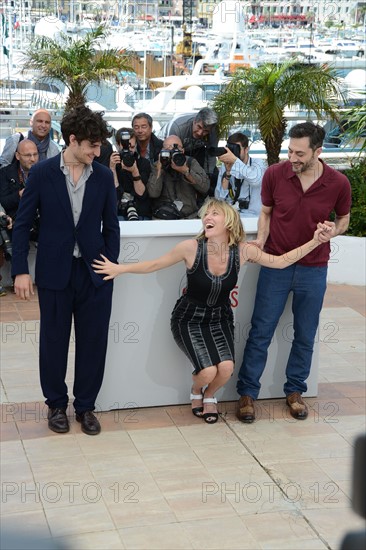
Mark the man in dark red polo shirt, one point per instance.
(296, 195)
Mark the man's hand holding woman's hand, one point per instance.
(324, 232)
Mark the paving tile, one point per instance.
(193, 506)
(332, 525)
(276, 526)
(156, 438)
(29, 525)
(83, 518)
(92, 541)
(156, 537)
(213, 534)
(142, 513)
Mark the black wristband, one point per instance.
(226, 175)
(136, 178)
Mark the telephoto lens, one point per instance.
(132, 214)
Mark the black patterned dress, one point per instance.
(202, 319)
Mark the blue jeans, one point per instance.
(308, 285)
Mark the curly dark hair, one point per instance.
(314, 132)
(84, 123)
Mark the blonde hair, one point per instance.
(233, 222)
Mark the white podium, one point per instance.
(144, 366)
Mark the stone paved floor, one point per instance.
(161, 478)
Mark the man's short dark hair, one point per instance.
(121, 131)
(143, 115)
(207, 116)
(239, 137)
(314, 132)
(84, 123)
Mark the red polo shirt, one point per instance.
(295, 214)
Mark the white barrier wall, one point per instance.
(144, 366)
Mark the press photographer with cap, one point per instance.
(131, 173)
(175, 181)
(240, 176)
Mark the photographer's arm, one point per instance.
(114, 159)
(138, 185)
(180, 252)
(195, 175)
(252, 172)
(155, 183)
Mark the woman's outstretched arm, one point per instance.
(177, 254)
(253, 254)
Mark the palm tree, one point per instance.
(76, 63)
(355, 126)
(260, 95)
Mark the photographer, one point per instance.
(240, 177)
(175, 181)
(148, 144)
(131, 174)
(6, 224)
(198, 133)
(14, 176)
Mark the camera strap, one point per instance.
(235, 192)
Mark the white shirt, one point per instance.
(251, 175)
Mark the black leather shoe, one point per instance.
(89, 423)
(245, 411)
(58, 421)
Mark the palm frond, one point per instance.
(261, 95)
(76, 63)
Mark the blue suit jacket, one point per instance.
(97, 231)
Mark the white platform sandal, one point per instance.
(197, 411)
(210, 418)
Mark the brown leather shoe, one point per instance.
(298, 407)
(245, 409)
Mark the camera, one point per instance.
(218, 151)
(243, 204)
(125, 155)
(169, 155)
(5, 241)
(128, 208)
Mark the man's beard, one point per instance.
(301, 167)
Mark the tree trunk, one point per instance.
(74, 100)
(273, 143)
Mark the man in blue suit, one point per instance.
(76, 199)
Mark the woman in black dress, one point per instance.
(202, 319)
